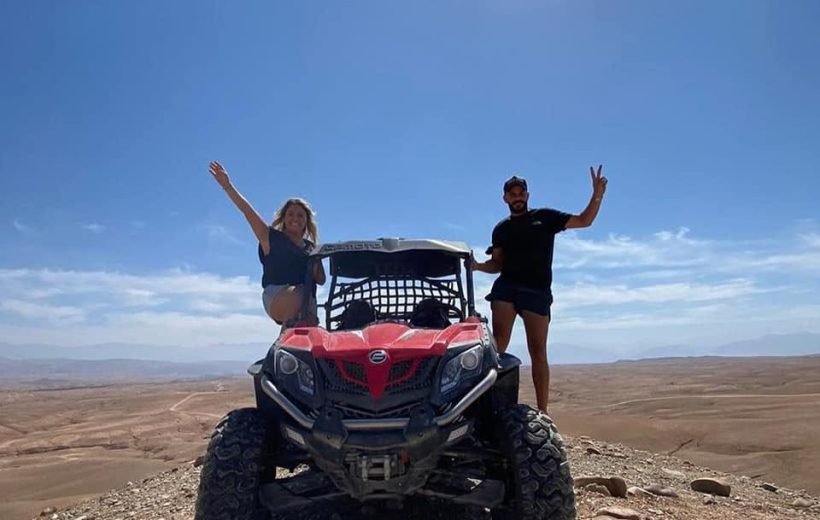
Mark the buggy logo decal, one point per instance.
(378, 357)
(351, 246)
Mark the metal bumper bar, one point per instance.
(397, 423)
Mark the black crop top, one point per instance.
(286, 264)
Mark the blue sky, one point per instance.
(404, 119)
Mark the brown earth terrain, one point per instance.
(754, 418)
(747, 416)
(58, 446)
(638, 485)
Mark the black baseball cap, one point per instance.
(515, 181)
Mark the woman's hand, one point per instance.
(219, 173)
(319, 272)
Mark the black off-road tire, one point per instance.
(232, 470)
(539, 478)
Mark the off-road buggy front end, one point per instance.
(401, 394)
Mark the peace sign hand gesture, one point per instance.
(598, 182)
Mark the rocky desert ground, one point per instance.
(126, 450)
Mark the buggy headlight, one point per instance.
(290, 367)
(462, 367)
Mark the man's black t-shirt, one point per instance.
(528, 241)
(286, 264)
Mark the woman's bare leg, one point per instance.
(287, 305)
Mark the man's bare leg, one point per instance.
(503, 320)
(537, 327)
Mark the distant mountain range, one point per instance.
(248, 352)
(111, 370)
(113, 361)
(799, 344)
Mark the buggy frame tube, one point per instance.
(468, 268)
(327, 305)
(310, 289)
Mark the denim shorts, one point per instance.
(270, 292)
(522, 297)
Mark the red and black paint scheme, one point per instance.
(377, 394)
(401, 393)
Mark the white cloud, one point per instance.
(151, 328)
(172, 307)
(94, 228)
(141, 297)
(664, 288)
(60, 314)
(177, 288)
(676, 250)
(673, 287)
(584, 294)
(811, 239)
(666, 249)
(222, 234)
(19, 226)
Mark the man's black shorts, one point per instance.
(523, 298)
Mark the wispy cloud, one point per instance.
(94, 228)
(19, 226)
(222, 234)
(171, 307)
(583, 294)
(60, 314)
(811, 239)
(672, 287)
(677, 250)
(665, 287)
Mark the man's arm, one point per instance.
(491, 266)
(587, 217)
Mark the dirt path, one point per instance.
(713, 396)
(179, 403)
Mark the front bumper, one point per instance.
(367, 456)
(396, 423)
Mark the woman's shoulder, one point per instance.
(275, 234)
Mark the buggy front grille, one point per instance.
(350, 377)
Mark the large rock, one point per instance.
(615, 485)
(598, 488)
(674, 473)
(712, 486)
(662, 491)
(769, 487)
(637, 491)
(619, 512)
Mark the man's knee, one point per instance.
(538, 353)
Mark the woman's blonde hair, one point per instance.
(311, 231)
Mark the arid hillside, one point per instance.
(751, 417)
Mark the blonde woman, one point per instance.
(283, 251)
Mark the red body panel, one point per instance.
(399, 342)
